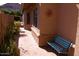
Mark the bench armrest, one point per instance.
(72, 45)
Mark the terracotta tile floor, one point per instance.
(29, 47)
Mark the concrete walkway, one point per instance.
(29, 47)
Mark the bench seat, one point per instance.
(60, 44)
(56, 47)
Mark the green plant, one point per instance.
(16, 27)
(14, 49)
(10, 45)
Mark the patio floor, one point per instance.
(29, 47)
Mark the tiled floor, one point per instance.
(29, 47)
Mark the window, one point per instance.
(35, 17)
(28, 18)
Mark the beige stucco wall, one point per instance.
(67, 21)
(76, 52)
(67, 17)
(63, 21)
(47, 22)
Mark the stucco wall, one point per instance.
(67, 22)
(76, 52)
(64, 21)
(47, 22)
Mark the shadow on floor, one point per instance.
(49, 49)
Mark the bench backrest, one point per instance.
(61, 41)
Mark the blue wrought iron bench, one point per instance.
(60, 44)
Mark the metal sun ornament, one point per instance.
(49, 12)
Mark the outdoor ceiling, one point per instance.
(28, 6)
